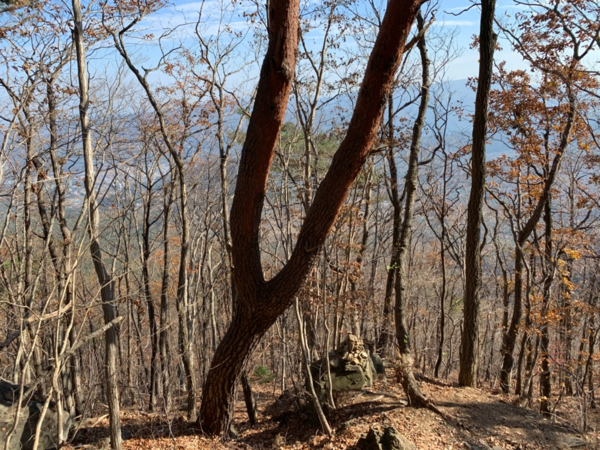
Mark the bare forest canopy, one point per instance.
(194, 196)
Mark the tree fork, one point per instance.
(259, 302)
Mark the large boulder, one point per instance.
(351, 366)
(29, 415)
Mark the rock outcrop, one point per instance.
(386, 439)
(29, 415)
(352, 366)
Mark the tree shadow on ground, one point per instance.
(300, 426)
(290, 426)
(509, 423)
(147, 426)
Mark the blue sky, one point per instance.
(184, 14)
(468, 25)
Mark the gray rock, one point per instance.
(352, 367)
(378, 363)
(29, 415)
(573, 442)
(386, 439)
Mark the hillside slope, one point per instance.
(479, 420)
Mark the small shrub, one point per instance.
(262, 375)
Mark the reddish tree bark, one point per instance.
(259, 302)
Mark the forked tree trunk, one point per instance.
(259, 302)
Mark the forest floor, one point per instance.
(479, 420)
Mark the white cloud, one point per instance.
(454, 23)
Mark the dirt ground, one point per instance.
(478, 420)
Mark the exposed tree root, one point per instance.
(415, 396)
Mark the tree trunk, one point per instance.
(386, 324)
(545, 380)
(509, 338)
(260, 302)
(164, 302)
(442, 328)
(230, 359)
(249, 399)
(469, 348)
(66, 264)
(154, 362)
(566, 331)
(510, 335)
(107, 285)
(442, 239)
(411, 388)
(184, 313)
(311, 387)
